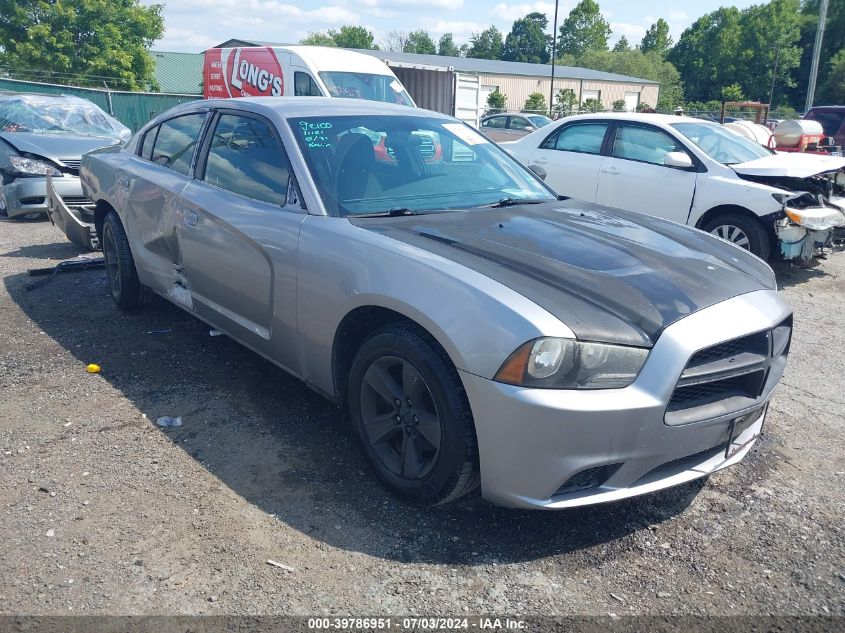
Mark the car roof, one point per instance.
(657, 119)
(311, 106)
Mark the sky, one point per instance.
(195, 25)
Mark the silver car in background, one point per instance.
(475, 328)
(45, 136)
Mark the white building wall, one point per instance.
(518, 87)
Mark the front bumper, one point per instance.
(532, 442)
(27, 197)
(74, 219)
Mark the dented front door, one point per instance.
(147, 192)
(238, 231)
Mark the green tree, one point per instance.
(496, 102)
(486, 45)
(733, 92)
(584, 29)
(707, 54)
(317, 38)
(833, 42)
(642, 106)
(527, 41)
(619, 105)
(729, 46)
(635, 63)
(656, 38)
(353, 37)
(81, 41)
(446, 46)
(536, 103)
(593, 105)
(833, 88)
(621, 45)
(566, 102)
(420, 42)
(770, 34)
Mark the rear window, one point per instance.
(831, 122)
(176, 142)
(586, 138)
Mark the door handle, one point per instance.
(191, 217)
(540, 160)
(123, 182)
(610, 170)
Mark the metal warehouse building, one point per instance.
(517, 80)
(460, 85)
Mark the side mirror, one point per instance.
(538, 170)
(680, 160)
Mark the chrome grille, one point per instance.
(72, 164)
(729, 376)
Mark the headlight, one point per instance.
(559, 363)
(32, 167)
(816, 218)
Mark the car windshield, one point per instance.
(348, 85)
(408, 164)
(539, 120)
(58, 115)
(721, 144)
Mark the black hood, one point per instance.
(610, 275)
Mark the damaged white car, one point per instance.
(696, 173)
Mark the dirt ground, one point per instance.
(103, 512)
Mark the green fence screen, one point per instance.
(133, 109)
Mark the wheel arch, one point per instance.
(724, 209)
(101, 210)
(356, 326)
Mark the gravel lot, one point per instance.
(103, 512)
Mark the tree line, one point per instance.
(727, 54)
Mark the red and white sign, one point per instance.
(242, 72)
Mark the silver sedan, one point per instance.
(475, 327)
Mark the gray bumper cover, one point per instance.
(531, 441)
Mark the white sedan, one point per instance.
(693, 172)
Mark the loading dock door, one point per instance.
(468, 104)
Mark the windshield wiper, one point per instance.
(392, 213)
(510, 202)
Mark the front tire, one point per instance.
(742, 231)
(125, 287)
(412, 417)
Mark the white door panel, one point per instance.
(635, 178)
(661, 191)
(569, 173)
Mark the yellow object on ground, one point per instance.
(93, 368)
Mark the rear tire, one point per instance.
(126, 289)
(742, 231)
(412, 416)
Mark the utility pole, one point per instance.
(817, 50)
(774, 74)
(554, 41)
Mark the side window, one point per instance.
(305, 86)
(496, 122)
(586, 138)
(147, 144)
(643, 144)
(176, 141)
(246, 158)
(519, 123)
